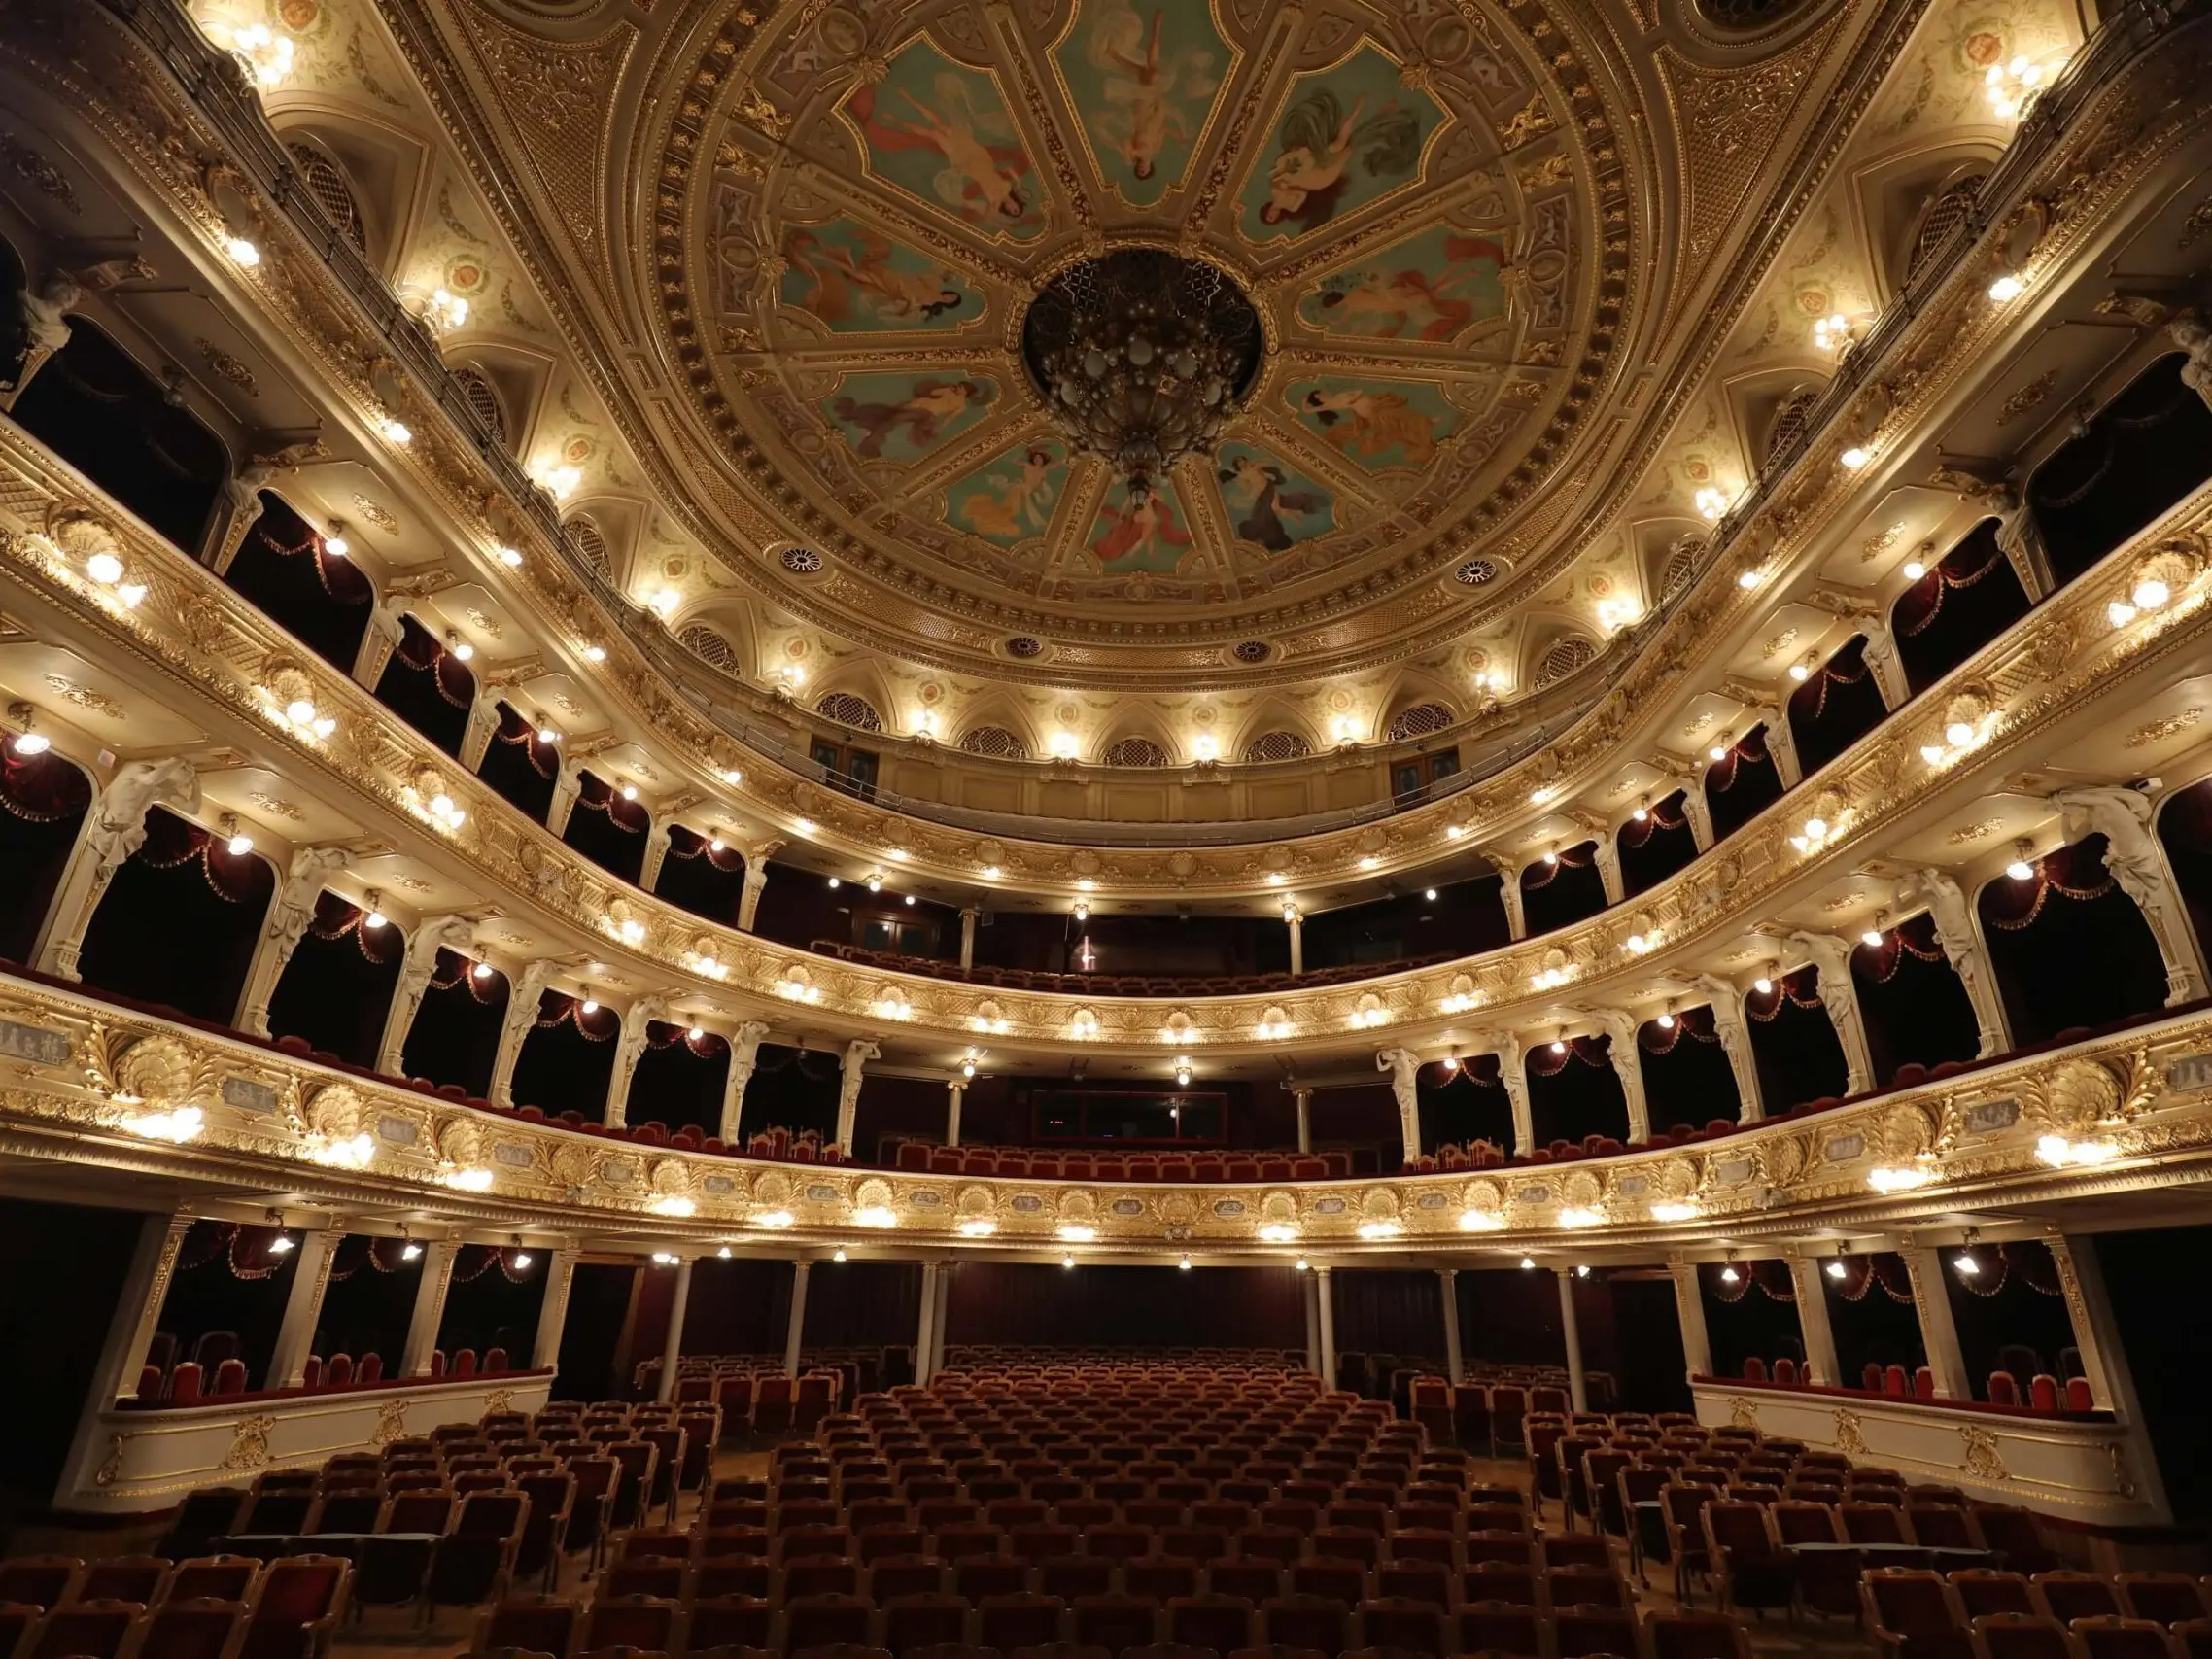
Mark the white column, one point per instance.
(1812, 1324)
(755, 883)
(1403, 1066)
(1781, 743)
(955, 1091)
(629, 1049)
(1297, 924)
(1312, 1321)
(483, 721)
(745, 1054)
(1609, 866)
(1734, 1033)
(378, 640)
(1578, 1386)
(1689, 1309)
(1958, 930)
(1627, 1056)
(553, 1309)
(858, 1054)
(1698, 810)
(2188, 332)
(795, 1334)
(429, 1309)
(113, 830)
(2138, 863)
(1839, 995)
(313, 1249)
(1939, 1330)
(1302, 1099)
(968, 919)
(656, 852)
(2104, 1364)
(1324, 1295)
(568, 784)
(434, 933)
(130, 1337)
(1513, 1073)
(1517, 911)
(43, 313)
(522, 997)
(292, 908)
(1448, 1282)
(944, 1309)
(1888, 667)
(672, 1351)
(925, 1332)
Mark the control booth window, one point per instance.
(1131, 1117)
(1419, 772)
(848, 769)
(896, 934)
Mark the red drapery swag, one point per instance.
(340, 577)
(335, 918)
(1720, 776)
(471, 1262)
(1919, 605)
(423, 651)
(1769, 1276)
(356, 1252)
(245, 1250)
(171, 841)
(1590, 1051)
(2075, 872)
(1915, 936)
(1801, 986)
(1862, 1273)
(2081, 467)
(557, 1007)
(1695, 1023)
(1846, 665)
(2028, 1260)
(603, 797)
(1545, 871)
(1667, 814)
(453, 969)
(1481, 1070)
(40, 788)
(659, 1034)
(518, 733)
(689, 844)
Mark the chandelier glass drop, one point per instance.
(1142, 358)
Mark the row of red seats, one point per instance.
(2045, 1394)
(180, 1385)
(1053, 1163)
(60, 1607)
(2051, 1615)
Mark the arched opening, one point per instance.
(607, 829)
(2185, 831)
(1562, 888)
(361, 1331)
(288, 574)
(91, 405)
(1688, 1083)
(1576, 1099)
(179, 922)
(43, 802)
(679, 1079)
(1877, 1330)
(428, 686)
(2145, 450)
(1465, 1105)
(1839, 704)
(2069, 948)
(328, 184)
(849, 709)
(1656, 846)
(492, 1304)
(702, 878)
(453, 1042)
(790, 1101)
(1916, 1010)
(567, 1061)
(1751, 1317)
(336, 992)
(2009, 1306)
(1800, 1057)
(1743, 784)
(1135, 751)
(520, 765)
(483, 398)
(995, 743)
(1963, 603)
(222, 1310)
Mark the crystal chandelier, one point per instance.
(1142, 358)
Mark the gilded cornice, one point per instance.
(2060, 670)
(92, 1085)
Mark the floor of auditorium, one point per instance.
(384, 1635)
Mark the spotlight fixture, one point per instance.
(1430, 894)
(1856, 457)
(630, 791)
(874, 882)
(335, 544)
(511, 557)
(2006, 289)
(482, 970)
(835, 883)
(235, 841)
(1528, 1263)
(1183, 1074)
(242, 252)
(410, 1252)
(590, 1004)
(1837, 1270)
(1915, 570)
(1968, 1267)
(281, 1245)
(461, 648)
(1082, 911)
(1067, 1261)
(1302, 1265)
(1729, 1275)
(374, 919)
(1582, 1270)
(838, 1254)
(2020, 869)
(909, 898)
(1875, 936)
(723, 1254)
(522, 1260)
(27, 743)
(1667, 1020)
(1184, 1264)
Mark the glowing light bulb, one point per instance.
(2006, 289)
(375, 921)
(105, 569)
(299, 711)
(2020, 870)
(1958, 734)
(1666, 1021)
(410, 1252)
(1837, 1270)
(32, 743)
(1915, 570)
(511, 557)
(591, 1005)
(242, 252)
(1856, 457)
(521, 1260)
(1763, 985)
(482, 970)
(2151, 593)
(239, 845)
(1729, 1275)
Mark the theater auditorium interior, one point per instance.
(1076, 829)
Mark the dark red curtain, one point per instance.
(1654, 849)
(1688, 1083)
(1126, 1307)
(43, 802)
(428, 686)
(567, 1056)
(179, 922)
(455, 1039)
(791, 1088)
(1386, 1312)
(680, 1079)
(736, 1307)
(2069, 948)
(1965, 601)
(1743, 784)
(1915, 1006)
(1836, 707)
(1559, 892)
(2144, 451)
(1799, 1056)
(1465, 1103)
(1575, 1095)
(695, 878)
(225, 1298)
(493, 1304)
(1750, 1311)
(1870, 1316)
(369, 1301)
(336, 991)
(609, 830)
(287, 572)
(2010, 1311)
(520, 765)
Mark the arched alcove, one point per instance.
(1688, 1081)
(180, 921)
(607, 829)
(44, 798)
(428, 686)
(1915, 1006)
(1839, 704)
(1562, 888)
(1654, 849)
(1576, 1096)
(336, 991)
(1743, 784)
(567, 1059)
(679, 1079)
(2069, 948)
(2145, 450)
(521, 765)
(1800, 1058)
(1966, 600)
(286, 571)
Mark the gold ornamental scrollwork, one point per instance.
(1742, 1413)
(391, 1423)
(249, 1444)
(1850, 1435)
(1985, 1460)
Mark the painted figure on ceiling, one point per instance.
(862, 284)
(1320, 143)
(1254, 490)
(1366, 424)
(978, 174)
(1011, 507)
(920, 418)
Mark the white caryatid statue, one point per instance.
(2124, 817)
(630, 1049)
(434, 934)
(1628, 1065)
(1735, 1034)
(858, 1054)
(1513, 1073)
(1404, 1066)
(293, 908)
(113, 829)
(1839, 995)
(527, 991)
(745, 1054)
(1961, 942)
